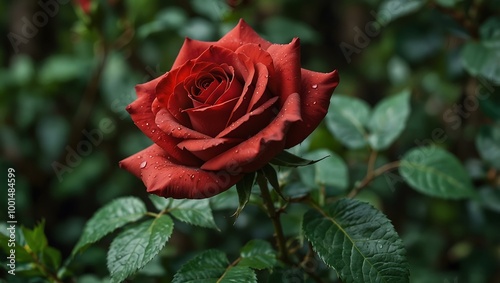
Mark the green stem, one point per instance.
(275, 218)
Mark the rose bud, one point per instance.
(226, 108)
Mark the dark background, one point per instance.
(65, 82)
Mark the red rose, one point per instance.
(225, 109)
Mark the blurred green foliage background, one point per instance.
(67, 74)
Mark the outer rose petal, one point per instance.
(240, 35)
(190, 50)
(286, 60)
(143, 117)
(167, 179)
(258, 150)
(317, 88)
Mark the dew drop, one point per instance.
(147, 124)
(139, 157)
(179, 128)
(314, 86)
(143, 164)
(152, 131)
(314, 102)
(380, 246)
(236, 151)
(192, 176)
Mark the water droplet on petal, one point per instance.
(152, 131)
(314, 102)
(147, 124)
(236, 151)
(143, 164)
(192, 176)
(315, 86)
(139, 157)
(179, 128)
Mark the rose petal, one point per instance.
(258, 55)
(252, 122)
(165, 178)
(190, 49)
(257, 151)
(220, 55)
(317, 89)
(168, 124)
(286, 68)
(141, 113)
(211, 120)
(206, 149)
(254, 97)
(240, 35)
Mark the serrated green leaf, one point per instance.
(138, 244)
(244, 189)
(193, 211)
(358, 241)
(110, 217)
(389, 120)
(347, 119)
(258, 254)
(435, 172)
(488, 145)
(35, 239)
(288, 159)
(212, 266)
(159, 203)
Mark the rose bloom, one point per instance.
(225, 109)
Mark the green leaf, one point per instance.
(358, 241)
(51, 258)
(110, 217)
(481, 60)
(193, 211)
(488, 144)
(212, 266)
(435, 172)
(258, 254)
(35, 239)
(137, 245)
(244, 189)
(331, 172)
(225, 200)
(288, 159)
(21, 254)
(159, 203)
(347, 119)
(389, 120)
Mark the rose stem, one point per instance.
(275, 218)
